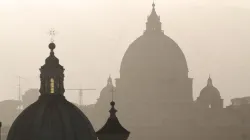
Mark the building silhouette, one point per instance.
(112, 129)
(51, 117)
(9, 109)
(153, 92)
(29, 97)
(155, 95)
(100, 110)
(210, 97)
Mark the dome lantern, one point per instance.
(52, 76)
(51, 117)
(153, 22)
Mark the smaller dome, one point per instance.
(107, 90)
(51, 118)
(210, 96)
(210, 92)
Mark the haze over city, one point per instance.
(94, 35)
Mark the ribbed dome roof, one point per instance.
(51, 117)
(210, 92)
(153, 55)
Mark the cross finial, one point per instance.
(153, 5)
(52, 34)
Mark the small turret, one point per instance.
(112, 130)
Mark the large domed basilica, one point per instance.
(153, 76)
(155, 98)
(154, 87)
(155, 64)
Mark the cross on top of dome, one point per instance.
(52, 34)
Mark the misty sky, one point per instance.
(93, 36)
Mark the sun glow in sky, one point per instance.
(93, 36)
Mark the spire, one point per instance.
(153, 5)
(153, 13)
(153, 23)
(109, 81)
(209, 81)
(112, 130)
(52, 46)
(112, 111)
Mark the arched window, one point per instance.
(52, 85)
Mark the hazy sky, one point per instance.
(93, 36)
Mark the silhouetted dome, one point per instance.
(153, 55)
(101, 106)
(210, 92)
(106, 91)
(52, 117)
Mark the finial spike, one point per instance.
(209, 81)
(153, 4)
(109, 81)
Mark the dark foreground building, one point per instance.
(52, 117)
(113, 130)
